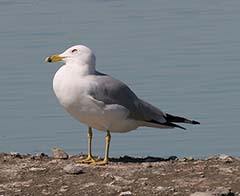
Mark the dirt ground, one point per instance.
(40, 174)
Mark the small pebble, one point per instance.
(72, 169)
(37, 169)
(142, 179)
(63, 189)
(188, 158)
(176, 193)
(59, 154)
(161, 188)
(126, 193)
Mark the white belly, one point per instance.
(72, 95)
(106, 119)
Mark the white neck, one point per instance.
(81, 69)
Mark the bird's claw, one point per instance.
(88, 160)
(100, 163)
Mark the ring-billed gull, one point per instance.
(102, 102)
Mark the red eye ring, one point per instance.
(74, 50)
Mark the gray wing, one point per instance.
(112, 91)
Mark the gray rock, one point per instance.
(72, 169)
(125, 193)
(59, 154)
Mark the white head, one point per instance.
(76, 55)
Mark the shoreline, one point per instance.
(41, 174)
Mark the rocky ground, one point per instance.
(40, 174)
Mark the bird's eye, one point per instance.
(74, 50)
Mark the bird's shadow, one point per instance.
(128, 159)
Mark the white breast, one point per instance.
(67, 87)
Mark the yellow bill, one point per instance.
(53, 58)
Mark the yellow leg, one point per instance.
(89, 158)
(105, 160)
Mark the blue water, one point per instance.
(182, 56)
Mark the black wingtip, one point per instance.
(195, 122)
(174, 125)
(178, 126)
(169, 124)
